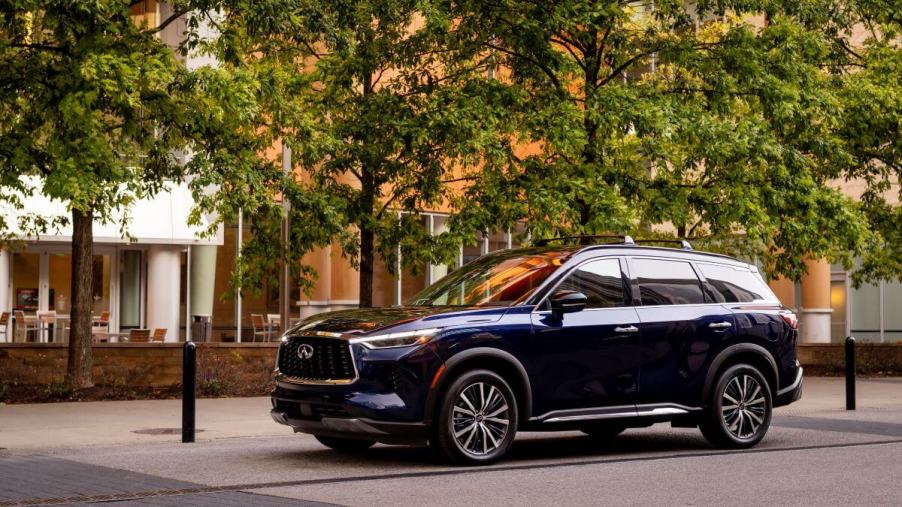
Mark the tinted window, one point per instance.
(735, 285)
(600, 281)
(667, 282)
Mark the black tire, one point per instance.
(746, 424)
(345, 444)
(477, 431)
(604, 431)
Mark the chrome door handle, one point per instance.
(720, 325)
(628, 329)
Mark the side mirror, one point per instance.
(567, 301)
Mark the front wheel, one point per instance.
(477, 420)
(344, 444)
(740, 409)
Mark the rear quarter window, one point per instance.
(735, 285)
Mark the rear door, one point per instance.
(588, 358)
(682, 330)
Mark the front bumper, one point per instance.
(790, 393)
(359, 428)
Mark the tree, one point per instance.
(95, 108)
(381, 118)
(869, 77)
(718, 119)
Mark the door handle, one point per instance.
(628, 329)
(720, 325)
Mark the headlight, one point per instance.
(403, 339)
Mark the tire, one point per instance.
(345, 444)
(477, 419)
(740, 409)
(603, 432)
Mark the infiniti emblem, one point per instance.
(305, 351)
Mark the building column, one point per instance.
(785, 290)
(201, 284)
(345, 292)
(814, 318)
(203, 279)
(5, 291)
(164, 265)
(319, 259)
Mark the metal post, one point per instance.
(189, 369)
(850, 373)
(285, 273)
(239, 241)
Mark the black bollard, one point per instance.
(189, 368)
(850, 373)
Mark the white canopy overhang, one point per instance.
(160, 220)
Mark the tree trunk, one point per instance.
(81, 358)
(367, 258)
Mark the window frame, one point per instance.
(629, 296)
(637, 294)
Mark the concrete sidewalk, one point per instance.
(66, 425)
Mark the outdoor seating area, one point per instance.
(52, 327)
(266, 328)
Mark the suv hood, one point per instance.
(402, 318)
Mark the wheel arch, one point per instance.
(503, 363)
(749, 353)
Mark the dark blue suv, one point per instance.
(593, 338)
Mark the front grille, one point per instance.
(331, 360)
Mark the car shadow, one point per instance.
(529, 448)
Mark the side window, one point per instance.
(735, 285)
(664, 282)
(601, 282)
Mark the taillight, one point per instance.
(790, 319)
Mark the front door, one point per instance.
(588, 358)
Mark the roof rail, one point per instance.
(624, 239)
(682, 242)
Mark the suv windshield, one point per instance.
(501, 279)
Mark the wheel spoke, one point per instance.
(465, 411)
(751, 415)
(490, 398)
(497, 421)
(488, 433)
(481, 396)
(728, 407)
(497, 411)
(463, 396)
(466, 429)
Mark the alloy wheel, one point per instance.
(480, 419)
(743, 406)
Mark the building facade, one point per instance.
(171, 273)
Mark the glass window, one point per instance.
(601, 281)
(664, 282)
(892, 312)
(502, 278)
(865, 307)
(838, 305)
(732, 285)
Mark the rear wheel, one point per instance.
(740, 409)
(344, 444)
(477, 420)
